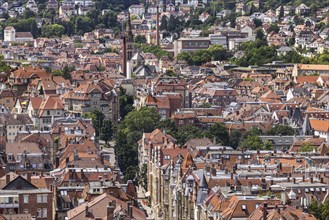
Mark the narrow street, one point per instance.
(143, 202)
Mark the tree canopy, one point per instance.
(281, 130)
(213, 53)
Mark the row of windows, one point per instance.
(41, 198)
(42, 213)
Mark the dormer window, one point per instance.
(10, 156)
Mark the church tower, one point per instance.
(128, 46)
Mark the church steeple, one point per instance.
(128, 32)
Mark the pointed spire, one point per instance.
(203, 182)
(128, 31)
(307, 129)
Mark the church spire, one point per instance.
(128, 32)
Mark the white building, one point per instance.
(10, 35)
(137, 10)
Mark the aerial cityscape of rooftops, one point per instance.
(164, 110)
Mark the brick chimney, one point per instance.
(130, 210)
(7, 178)
(57, 161)
(264, 210)
(110, 210)
(28, 176)
(213, 170)
(87, 211)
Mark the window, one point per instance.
(42, 198)
(167, 157)
(39, 213)
(48, 112)
(44, 212)
(26, 198)
(26, 211)
(247, 156)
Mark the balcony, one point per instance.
(9, 205)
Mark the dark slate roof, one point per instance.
(203, 182)
(19, 184)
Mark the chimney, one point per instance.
(213, 170)
(226, 170)
(87, 211)
(124, 56)
(130, 210)
(7, 178)
(57, 161)
(102, 158)
(28, 176)
(76, 155)
(110, 210)
(303, 178)
(207, 168)
(264, 211)
(231, 175)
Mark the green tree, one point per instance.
(167, 125)
(125, 103)
(260, 34)
(34, 29)
(292, 57)
(184, 56)
(306, 147)
(163, 23)
(144, 120)
(83, 24)
(268, 145)
(219, 132)
(257, 22)
(281, 130)
(52, 30)
(218, 52)
(143, 176)
(186, 132)
(205, 105)
(235, 138)
(281, 14)
(273, 27)
(140, 39)
(106, 131)
(97, 119)
(256, 53)
(252, 143)
(319, 210)
(129, 131)
(3, 65)
(156, 50)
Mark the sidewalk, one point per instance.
(143, 202)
